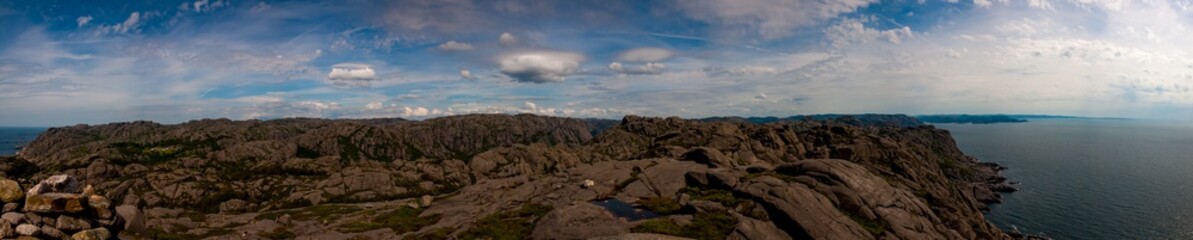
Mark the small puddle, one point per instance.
(625, 210)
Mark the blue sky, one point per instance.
(67, 62)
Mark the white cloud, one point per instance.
(466, 74)
(853, 32)
(648, 68)
(82, 21)
(454, 46)
(982, 3)
(507, 40)
(352, 75)
(129, 24)
(374, 106)
(747, 70)
(647, 54)
(768, 19)
(540, 66)
(203, 5)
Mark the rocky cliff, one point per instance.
(525, 176)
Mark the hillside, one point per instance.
(526, 176)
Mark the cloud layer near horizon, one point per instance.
(182, 60)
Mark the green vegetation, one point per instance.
(304, 152)
(705, 226)
(320, 212)
(163, 151)
(660, 226)
(401, 220)
(162, 234)
(194, 216)
(513, 225)
(435, 234)
(724, 197)
(278, 233)
(875, 227)
(661, 205)
(784, 177)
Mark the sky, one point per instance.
(69, 62)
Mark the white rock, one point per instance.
(28, 229)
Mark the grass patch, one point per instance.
(661, 205)
(784, 177)
(320, 213)
(158, 233)
(436, 234)
(512, 225)
(705, 226)
(875, 227)
(401, 220)
(278, 233)
(194, 216)
(660, 226)
(724, 197)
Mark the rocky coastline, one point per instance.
(526, 176)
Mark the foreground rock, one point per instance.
(500, 176)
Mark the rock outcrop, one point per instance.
(58, 208)
(502, 176)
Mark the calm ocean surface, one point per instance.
(11, 137)
(1090, 179)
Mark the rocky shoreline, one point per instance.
(526, 176)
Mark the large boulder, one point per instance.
(57, 184)
(28, 229)
(13, 217)
(10, 191)
(134, 221)
(55, 203)
(579, 221)
(52, 233)
(92, 234)
(71, 224)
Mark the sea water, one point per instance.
(1090, 178)
(13, 137)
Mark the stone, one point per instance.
(752, 229)
(28, 229)
(425, 201)
(579, 221)
(100, 205)
(709, 156)
(233, 206)
(92, 234)
(55, 203)
(10, 191)
(52, 232)
(56, 184)
(587, 183)
(71, 224)
(134, 220)
(88, 190)
(14, 217)
(6, 230)
(12, 206)
(32, 218)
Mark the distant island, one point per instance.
(974, 119)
